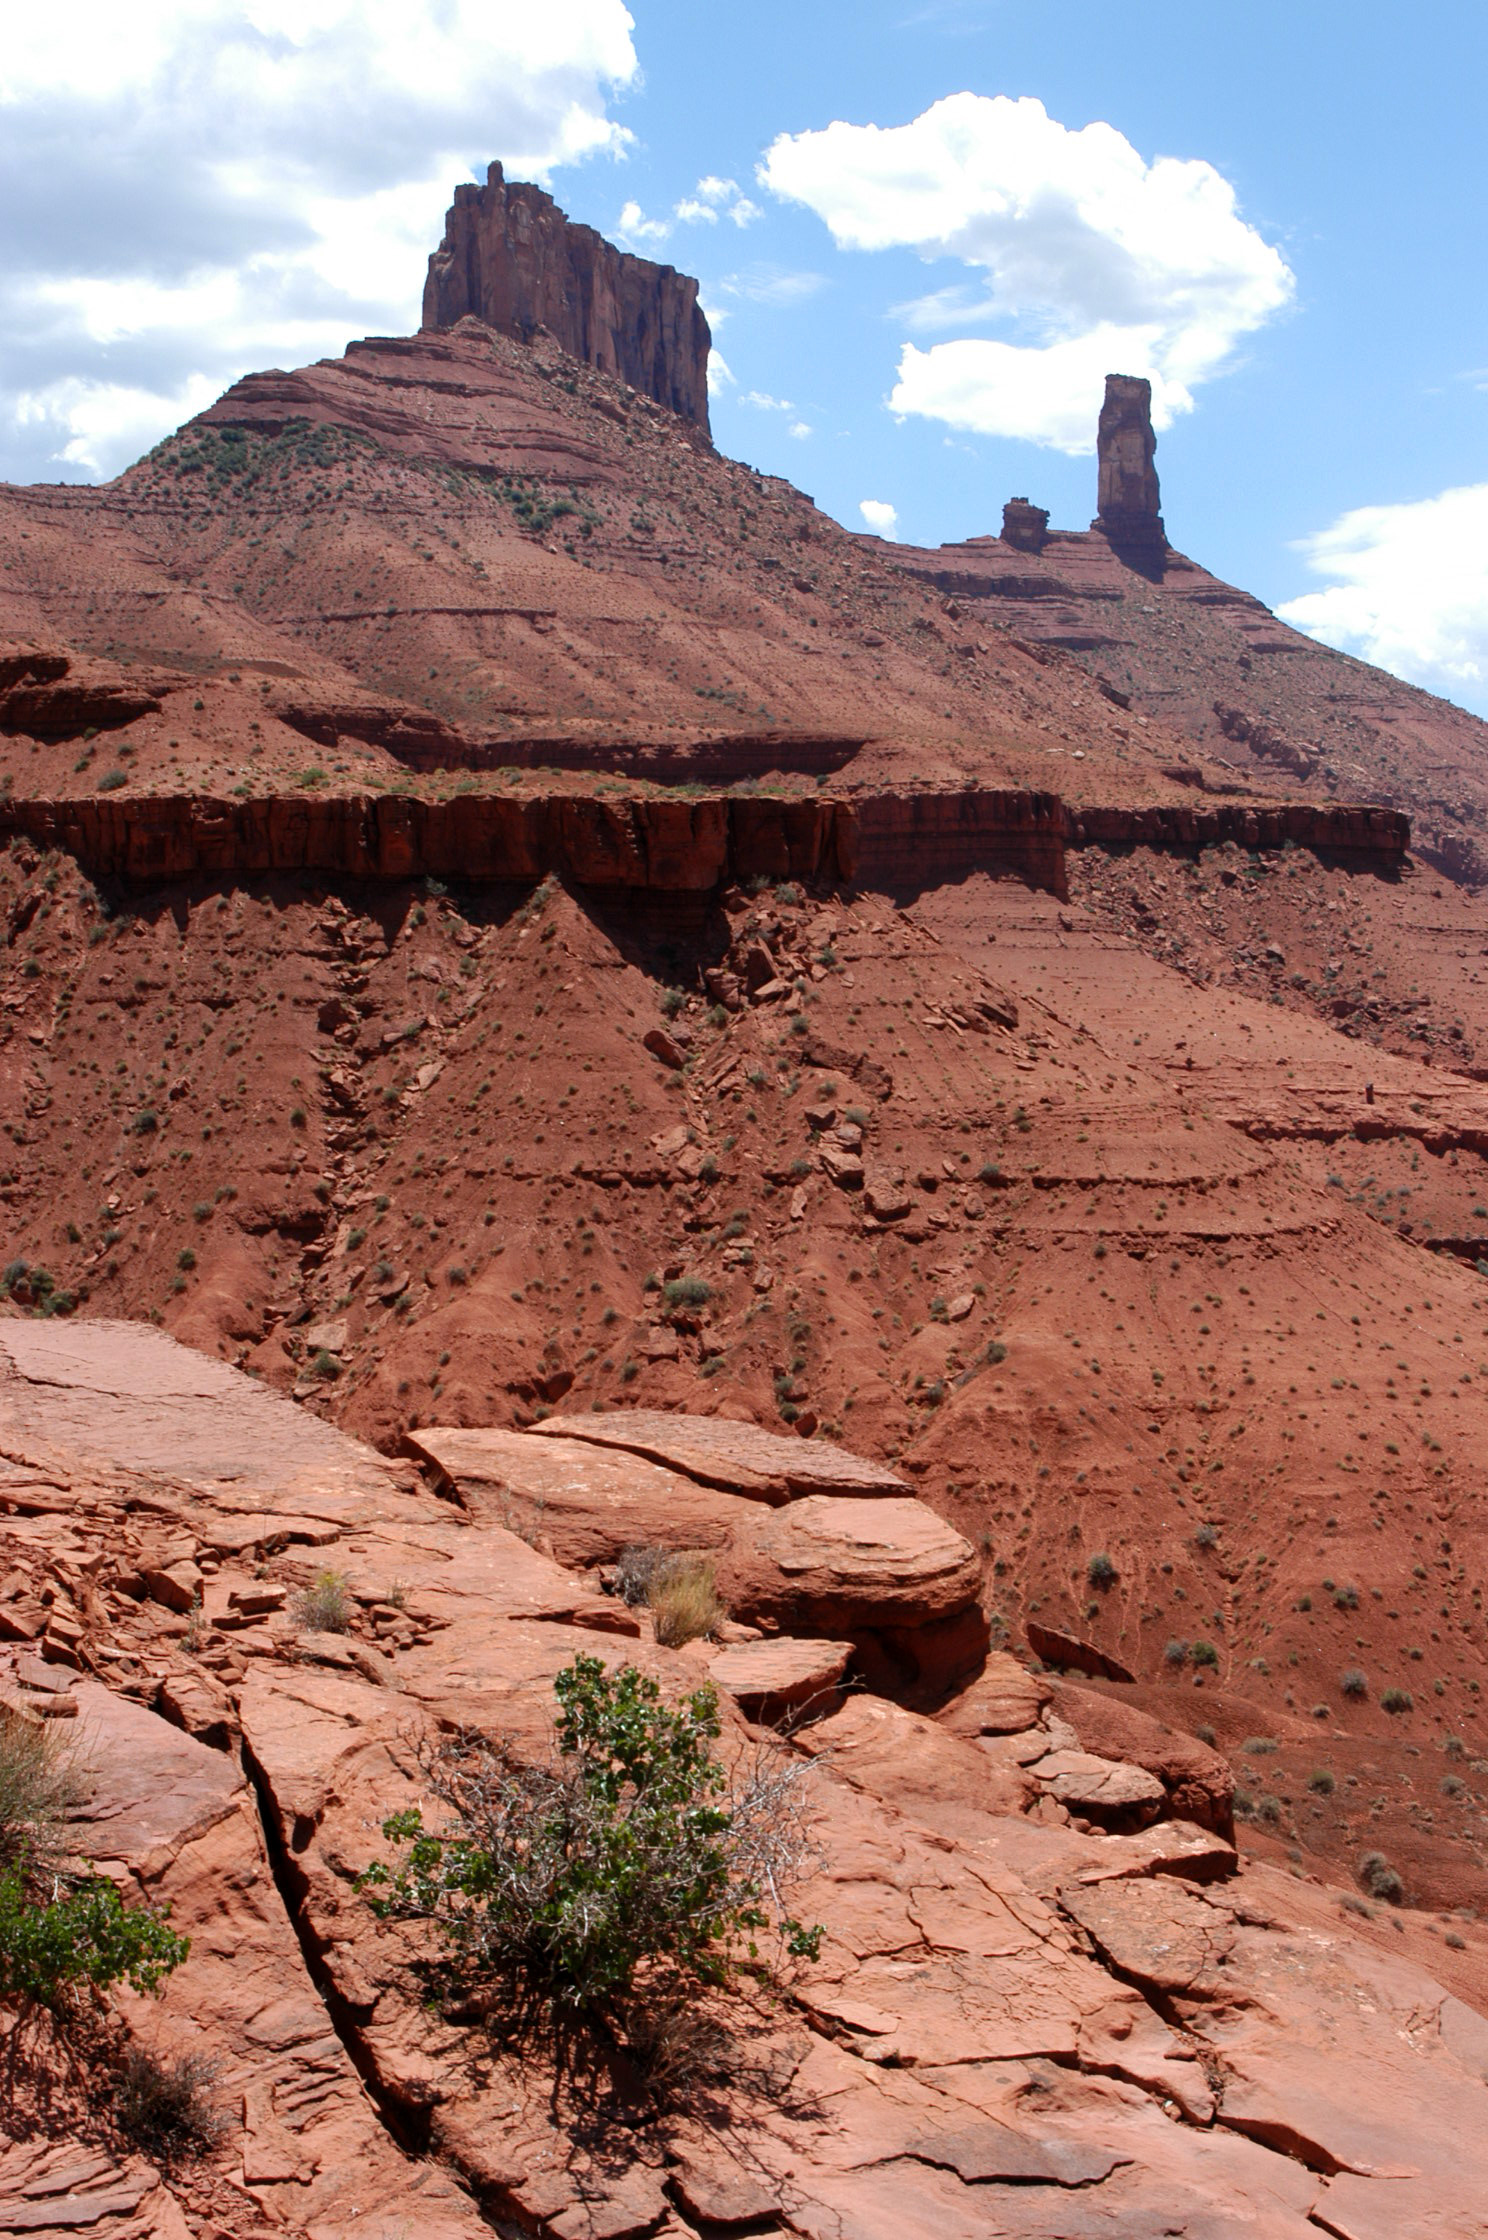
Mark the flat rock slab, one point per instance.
(1003, 1699)
(941, 1780)
(736, 1457)
(989, 2151)
(1174, 1847)
(586, 1502)
(1101, 1787)
(833, 1565)
(150, 1788)
(775, 1680)
(123, 1395)
(1155, 1932)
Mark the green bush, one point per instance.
(84, 1938)
(1100, 1570)
(578, 1894)
(1204, 1653)
(687, 1291)
(1396, 1700)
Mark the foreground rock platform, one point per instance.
(1014, 2027)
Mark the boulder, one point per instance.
(784, 1680)
(1197, 1782)
(838, 1563)
(735, 1457)
(585, 1502)
(1004, 1698)
(887, 1573)
(1100, 1789)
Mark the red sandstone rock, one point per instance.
(737, 1457)
(511, 257)
(1196, 1780)
(786, 1679)
(587, 1502)
(1129, 502)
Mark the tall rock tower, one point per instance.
(1128, 499)
(511, 257)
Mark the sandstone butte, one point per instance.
(554, 1001)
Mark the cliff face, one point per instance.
(899, 841)
(512, 258)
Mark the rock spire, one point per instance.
(512, 258)
(1128, 500)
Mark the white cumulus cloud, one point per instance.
(881, 517)
(1094, 259)
(1409, 590)
(194, 188)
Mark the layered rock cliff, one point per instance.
(893, 840)
(512, 258)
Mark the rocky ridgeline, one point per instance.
(667, 845)
(1048, 1997)
(511, 258)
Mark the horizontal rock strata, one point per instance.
(648, 844)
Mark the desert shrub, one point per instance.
(40, 1785)
(672, 1000)
(1396, 1700)
(324, 1606)
(83, 1939)
(676, 1585)
(1353, 1684)
(636, 1568)
(1321, 1782)
(1206, 1535)
(1258, 1746)
(1346, 1598)
(684, 1600)
(165, 2105)
(1175, 1653)
(1100, 1570)
(1380, 1879)
(589, 1893)
(1204, 1653)
(686, 1291)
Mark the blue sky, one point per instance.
(211, 186)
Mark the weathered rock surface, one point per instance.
(512, 259)
(1197, 1781)
(786, 1679)
(585, 1501)
(737, 1457)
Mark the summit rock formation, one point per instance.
(1128, 501)
(511, 258)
